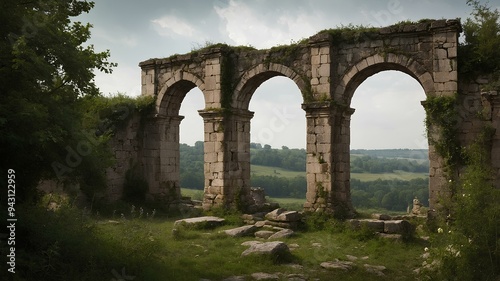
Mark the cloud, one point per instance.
(128, 39)
(246, 25)
(171, 25)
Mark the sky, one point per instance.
(388, 110)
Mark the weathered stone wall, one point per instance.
(126, 146)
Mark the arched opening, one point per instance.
(389, 148)
(191, 146)
(278, 138)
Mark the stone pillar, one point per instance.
(437, 177)
(327, 164)
(227, 158)
(161, 157)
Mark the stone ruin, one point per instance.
(327, 68)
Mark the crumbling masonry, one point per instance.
(327, 68)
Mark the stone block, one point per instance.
(402, 227)
(245, 230)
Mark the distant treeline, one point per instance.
(389, 194)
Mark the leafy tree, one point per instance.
(45, 72)
(479, 53)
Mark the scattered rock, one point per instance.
(260, 223)
(343, 265)
(375, 269)
(285, 233)
(276, 249)
(245, 230)
(317, 245)
(293, 246)
(250, 243)
(264, 234)
(205, 222)
(282, 215)
(351, 258)
(264, 276)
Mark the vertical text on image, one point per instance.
(11, 219)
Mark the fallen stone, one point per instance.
(281, 215)
(285, 233)
(204, 222)
(260, 223)
(264, 234)
(265, 276)
(250, 243)
(398, 227)
(343, 265)
(351, 258)
(245, 230)
(274, 214)
(276, 249)
(375, 269)
(375, 225)
(293, 246)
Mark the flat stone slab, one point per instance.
(208, 222)
(262, 276)
(264, 234)
(285, 233)
(342, 265)
(398, 227)
(245, 230)
(274, 249)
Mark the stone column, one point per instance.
(161, 157)
(327, 164)
(437, 178)
(227, 158)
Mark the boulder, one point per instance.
(285, 233)
(245, 230)
(200, 222)
(277, 250)
(264, 234)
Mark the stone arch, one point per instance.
(257, 75)
(174, 90)
(369, 66)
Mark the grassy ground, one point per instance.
(67, 245)
(279, 172)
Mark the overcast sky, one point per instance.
(388, 111)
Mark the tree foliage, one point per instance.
(479, 53)
(45, 71)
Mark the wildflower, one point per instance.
(449, 181)
(440, 230)
(449, 231)
(426, 249)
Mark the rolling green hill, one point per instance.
(257, 170)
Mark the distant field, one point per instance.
(279, 172)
